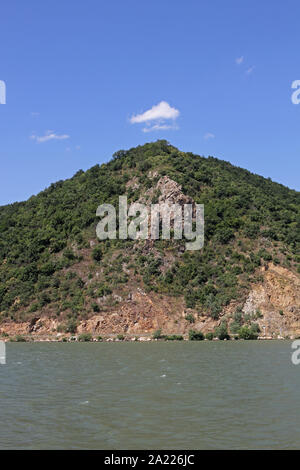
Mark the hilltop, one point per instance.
(56, 277)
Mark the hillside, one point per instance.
(57, 278)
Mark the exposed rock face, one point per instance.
(144, 313)
(171, 192)
(43, 326)
(277, 298)
(167, 193)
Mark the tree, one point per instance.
(196, 335)
(97, 253)
(248, 333)
(221, 331)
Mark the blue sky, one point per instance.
(77, 72)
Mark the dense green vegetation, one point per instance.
(196, 335)
(51, 261)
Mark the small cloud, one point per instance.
(34, 114)
(209, 135)
(159, 127)
(239, 60)
(160, 111)
(50, 135)
(68, 149)
(77, 147)
(250, 70)
(157, 118)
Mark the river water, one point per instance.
(175, 395)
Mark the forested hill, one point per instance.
(52, 264)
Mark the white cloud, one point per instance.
(161, 110)
(50, 135)
(209, 135)
(159, 127)
(156, 117)
(34, 114)
(239, 60)
(250, 70)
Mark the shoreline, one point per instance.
(134, 339)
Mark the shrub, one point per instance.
(259, 314)
(196, 335)
(104, 290)
(121, 337)
(224, 234)
(97, 253)
(71, 326)
(69, 254)
(33, 307)
(157, 334)
(85, 337)
(255, 328)
(95, 307)
(247, 333)
(209, 336)
(190, 318)
(61, 329)
(221, 331)
(235, 326)
(174, 338)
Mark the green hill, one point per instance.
(52, 264)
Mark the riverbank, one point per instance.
(60, 338)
